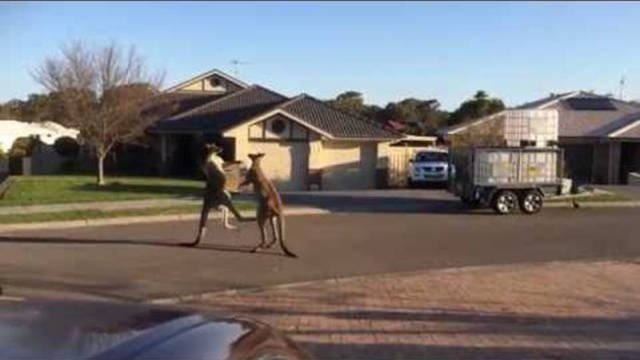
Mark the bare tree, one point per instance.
(104, 92)
(489, 133)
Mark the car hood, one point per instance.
(431, 163)
(101, 330)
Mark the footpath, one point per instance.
(563, 310)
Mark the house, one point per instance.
(305, 140)
(600, 135)
(44, 159)
(48, 132)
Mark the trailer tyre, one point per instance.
(505, 202)
(531, 202)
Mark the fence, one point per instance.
(398, 164)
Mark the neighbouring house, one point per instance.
(48, 132)
(306, 142)
(44, 160)
(600, 135)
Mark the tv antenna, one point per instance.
(236, 64)
(623, 82)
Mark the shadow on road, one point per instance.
(175, 245)
(405, 201)
(444, 352)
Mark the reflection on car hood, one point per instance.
(100, 330)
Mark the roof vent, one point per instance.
(215, 82)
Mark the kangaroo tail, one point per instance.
(281, 236)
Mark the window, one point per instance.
(432, 157)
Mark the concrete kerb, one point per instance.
(291, 211)
(141, 219)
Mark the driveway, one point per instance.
(560, 310)
(378, 201)
(141, 261)
(630, 191)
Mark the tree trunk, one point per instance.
(101, 181)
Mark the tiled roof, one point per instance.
(335, 122)
(580, 123)
(224, 112)
(540, 102)
(182, 102)
(231, 110)
(633, 132)
(585, 123)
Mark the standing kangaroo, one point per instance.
(215, 194)
(269, 205)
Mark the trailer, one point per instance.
(506, 178)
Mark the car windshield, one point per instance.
(432, 157)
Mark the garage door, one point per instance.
(285, 163)
(349, 165)
(578, 162)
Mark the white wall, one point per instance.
(287, 163)
(48, 132)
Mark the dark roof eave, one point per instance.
(380, 139)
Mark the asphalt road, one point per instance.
(141, 261)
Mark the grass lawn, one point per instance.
(97, 214)
(38, 190)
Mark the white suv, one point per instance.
(429, 167)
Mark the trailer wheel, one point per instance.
(531, 202)
(505, 202)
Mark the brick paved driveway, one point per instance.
(570, 310)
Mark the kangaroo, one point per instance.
(269, 205)
(215, 194)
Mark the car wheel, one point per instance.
(411, 183)
(505, 202)
(531, 202)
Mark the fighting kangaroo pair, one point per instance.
(269, 203)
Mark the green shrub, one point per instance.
(66, 146)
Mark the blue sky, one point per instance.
(388, 51)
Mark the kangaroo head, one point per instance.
(212, 149)
(255, 158)
(251, 175)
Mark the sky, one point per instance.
(387, 51)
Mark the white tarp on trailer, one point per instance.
(515, 166)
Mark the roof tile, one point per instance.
(335, 122)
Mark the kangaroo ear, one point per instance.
(259, 155)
